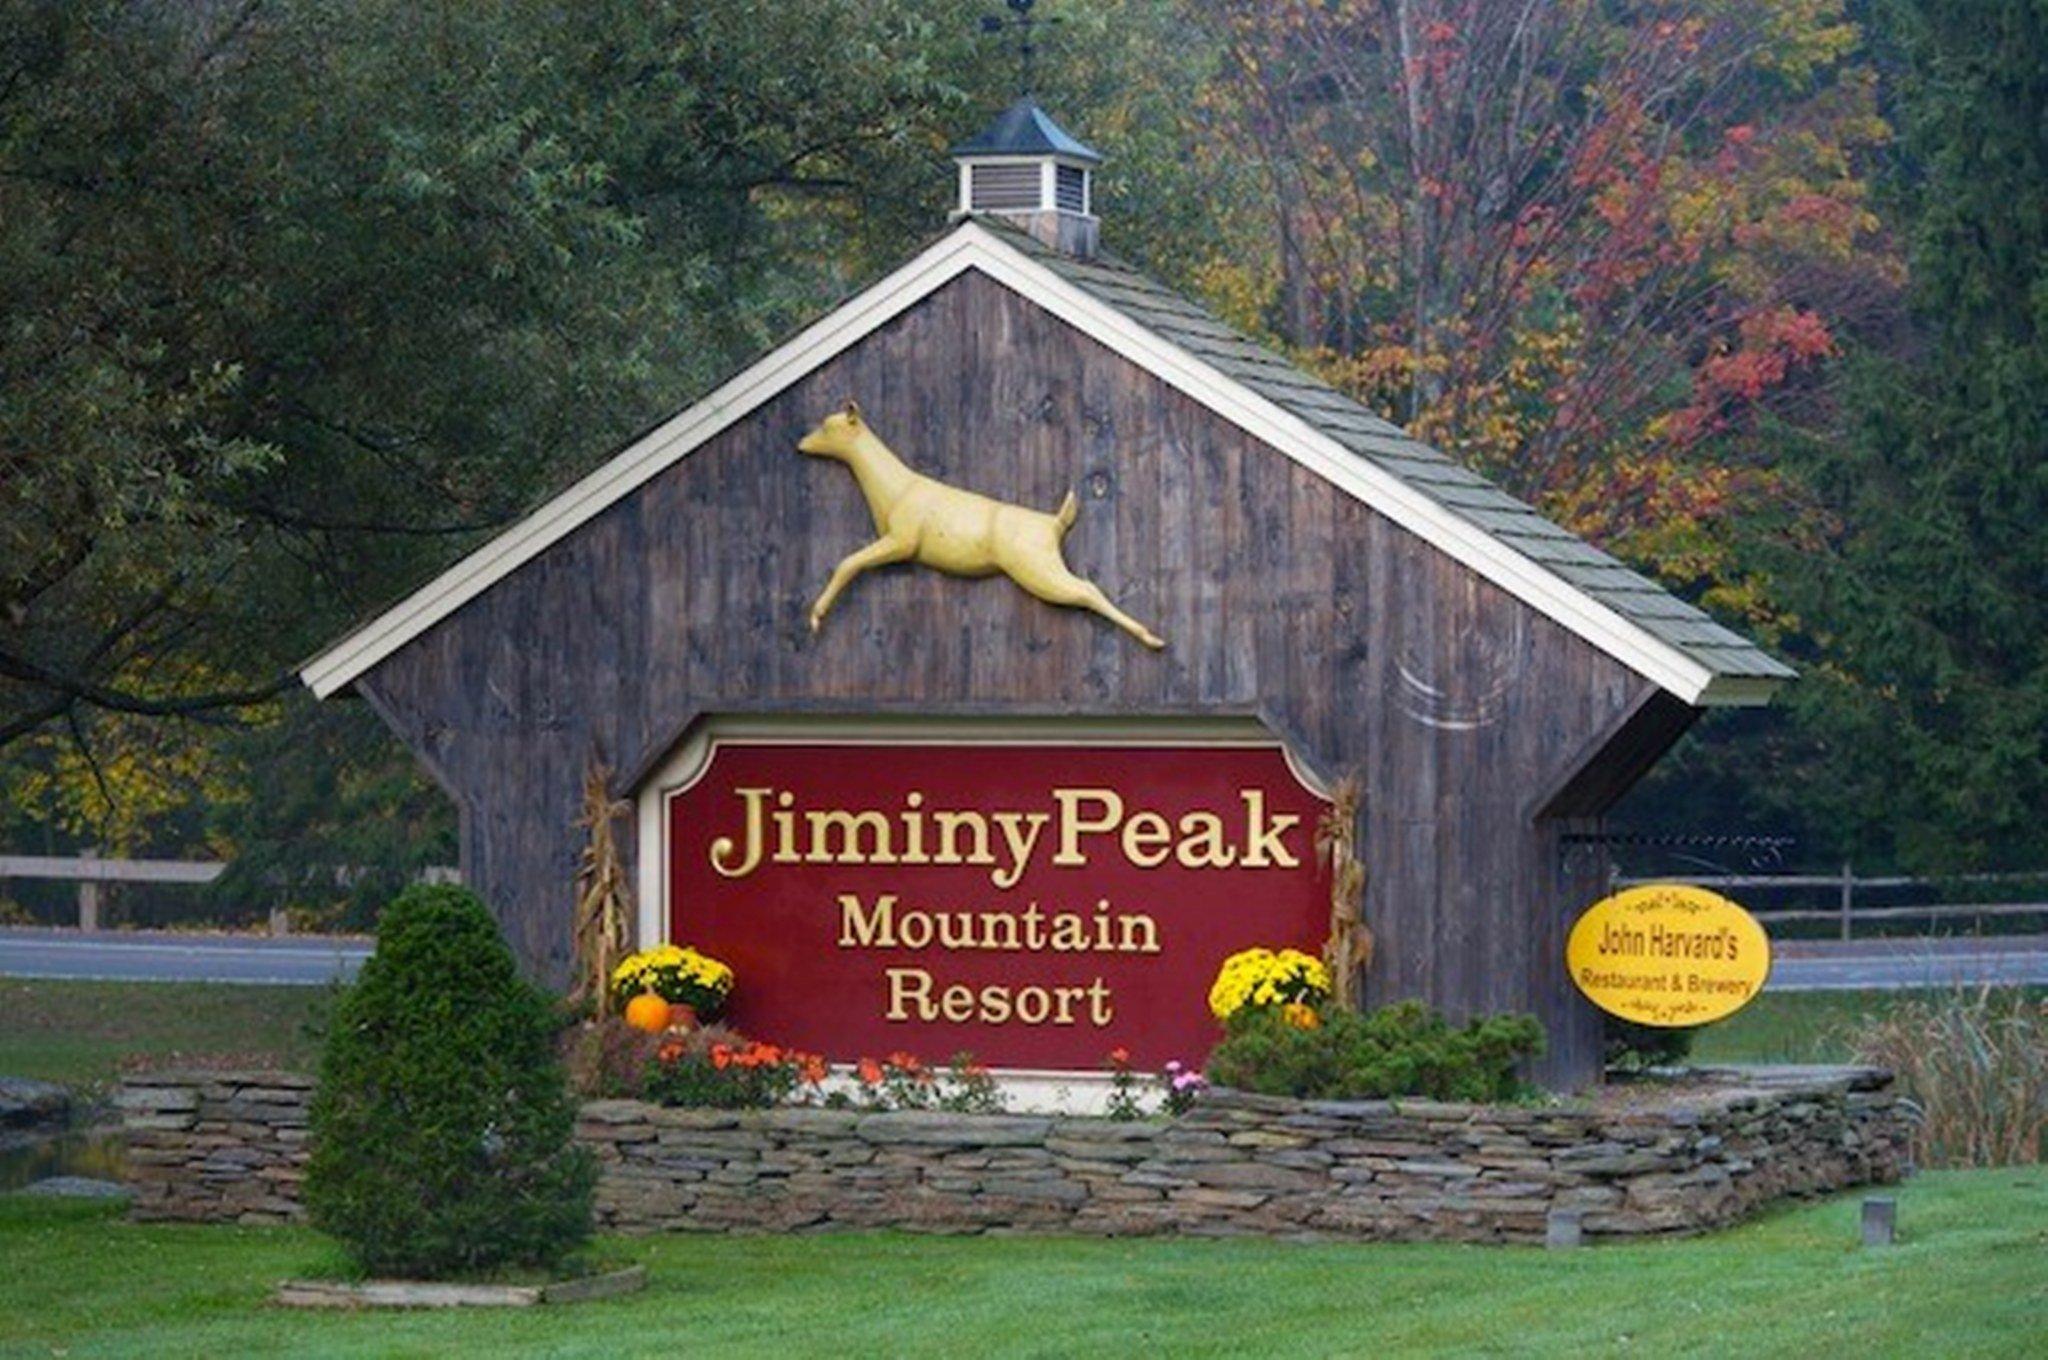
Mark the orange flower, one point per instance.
(721, 1057)
(907, 1061)
(813, 1067)
(869, 1071)
(669, 1052)
(1119, 1057)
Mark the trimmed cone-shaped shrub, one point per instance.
(442, 1126)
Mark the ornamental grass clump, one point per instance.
(441, 1129)
(1974, 1060)
(1404, 1049)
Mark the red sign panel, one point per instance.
(1034, 905)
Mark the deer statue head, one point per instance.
(837, 436)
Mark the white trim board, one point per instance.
(970, 246)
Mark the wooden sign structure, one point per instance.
(1492, 683)
(1668, 955)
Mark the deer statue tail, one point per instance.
(1069, 509)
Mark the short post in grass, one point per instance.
(1564, 1228)
(1880, 1220)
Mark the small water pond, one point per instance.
(98, 1153)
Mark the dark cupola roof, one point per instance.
(1024, 129)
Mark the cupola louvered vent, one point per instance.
(1027, 171)
(1070, 188)
(1001, 188)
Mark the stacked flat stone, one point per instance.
(1636, 1160)
(216, 1147)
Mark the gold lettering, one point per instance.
(850, 825)
(1072, 827)
(785, 828)
(1020, 834)
(1262, 842)
(950, 824)
(1146, 839)
(907, 985)
(914, 931)
(913, 829)
(1202, 845)
(999, 930)
(875, 930)
(722, 849)
(1033, 1005)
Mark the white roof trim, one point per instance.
(972, 247)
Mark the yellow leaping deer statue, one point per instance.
(951, 530)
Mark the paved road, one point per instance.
(157, 957)
(149, 956)
(1871, 965)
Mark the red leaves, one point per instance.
(1772, 343)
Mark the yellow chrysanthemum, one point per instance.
(1266, 977)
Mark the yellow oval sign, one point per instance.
(1668, 954)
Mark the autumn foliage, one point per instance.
(1575, 244)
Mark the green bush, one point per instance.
(1629, 1047)
(1401, 1050)
(441, 1130)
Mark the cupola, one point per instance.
(1029, 171)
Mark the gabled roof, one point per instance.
(1450, 484)
(1583, 589)
(1024, 129)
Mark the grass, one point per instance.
(1969, 1278)
(1791, 1027)
(1796, 1027)
(78, 1032)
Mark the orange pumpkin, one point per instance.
(647, 1012)
(1300, 1015)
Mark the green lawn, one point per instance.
(1970, 1278)
(78, 1032)
(1797, 1027)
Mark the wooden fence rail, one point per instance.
(1845, 912)
(89, 871)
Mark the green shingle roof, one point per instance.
(1024, 129)
(1457, 488)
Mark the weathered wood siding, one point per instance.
(1370, 651)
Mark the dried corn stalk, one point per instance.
(603, 901)
(1349, 948)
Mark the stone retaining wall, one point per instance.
(216, 1147)
(1637, 1159)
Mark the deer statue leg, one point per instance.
(879, 553)
(1057, 585)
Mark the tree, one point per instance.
(300, 300)
(1576, 244)
(441, 1128)
(1927, 616)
